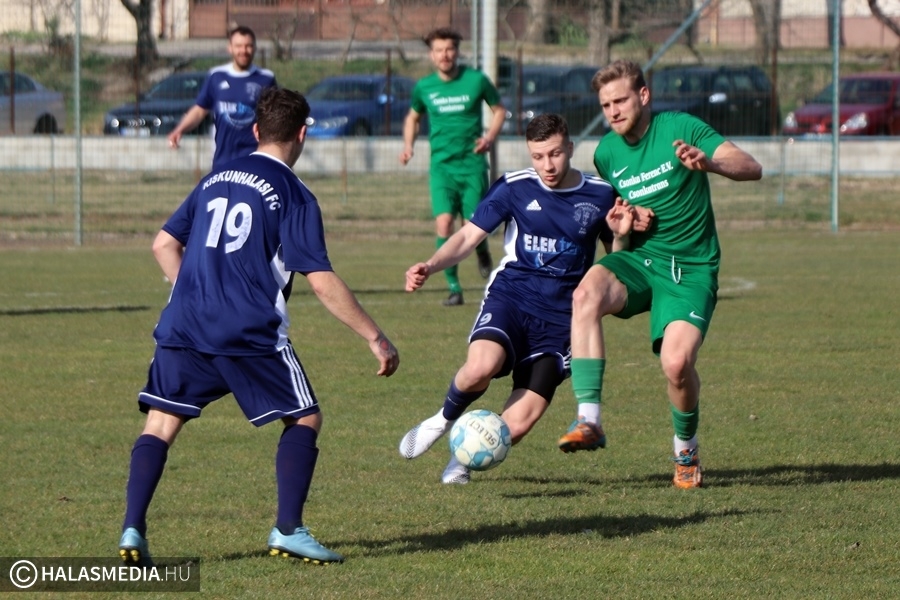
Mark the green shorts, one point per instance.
(670, 291)
(457, 193)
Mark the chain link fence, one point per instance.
(104, 186)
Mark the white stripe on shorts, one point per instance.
(302, 391)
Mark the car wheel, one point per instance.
(46, 124)
(360, 129)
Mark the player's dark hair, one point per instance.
(620, 69)
(443, 33)
(545, 126)
(280, 113)
(242, 30)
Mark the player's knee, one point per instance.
(475, 376)
(677, 367)
(586, 301)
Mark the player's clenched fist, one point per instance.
(416, 276)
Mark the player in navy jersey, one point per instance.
(231, 92)
(231, 250)
(554, 215)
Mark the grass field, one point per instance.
(120, 206)
(798, 433)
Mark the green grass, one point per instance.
(121, 205)
(798, 436)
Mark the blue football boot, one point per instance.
(133, 548)
(301, 544)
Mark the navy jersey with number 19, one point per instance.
(550, 240)
(246, 228)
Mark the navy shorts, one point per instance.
(524, 336)
(183, 381)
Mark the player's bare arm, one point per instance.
(454, 251)
(410, 131)
(193, 117)
(337, 298)
(498, 116)
(728, 161)
(168, 252)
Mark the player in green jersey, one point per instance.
(453, 97)
(660, 161)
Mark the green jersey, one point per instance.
(454, 117)
(649, 174)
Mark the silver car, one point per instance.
(34, 108)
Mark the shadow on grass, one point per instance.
(784, 475)
(598, 525)
(802, 474)
(454, 539)
(16, 312)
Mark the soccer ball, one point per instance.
(480, 440)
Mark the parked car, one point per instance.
(565, 90)
(734, 100)
(869, 105)
(359, 105)
(36, 109)
(159, 110)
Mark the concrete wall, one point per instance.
(872, 157)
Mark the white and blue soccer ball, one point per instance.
(480, 440)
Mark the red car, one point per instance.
(869, 105)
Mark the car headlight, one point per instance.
(527, 115)
(790, 120)
(855, 123)
(112, 121)
(331, 123)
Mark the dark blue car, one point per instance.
(160, 109)
(537, 89)
(359, 105)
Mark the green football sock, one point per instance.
(587, 383)
(587, 379)
(451, 272)
(685, 423)
(483, 247)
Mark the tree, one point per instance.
(894, 61)
(767, 22)
(146, 53)
(598, 32)
(537, 28)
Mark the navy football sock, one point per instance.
(295, 462)
(456, 402)
(148, 459)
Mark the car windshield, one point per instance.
(533, 83)
(540, 82)
(677, 84)
(857, 91)
(342, 91)
(176, 88)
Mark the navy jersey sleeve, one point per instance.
(180, 223)
(303, 240)
(494, 209)
(204, 97)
